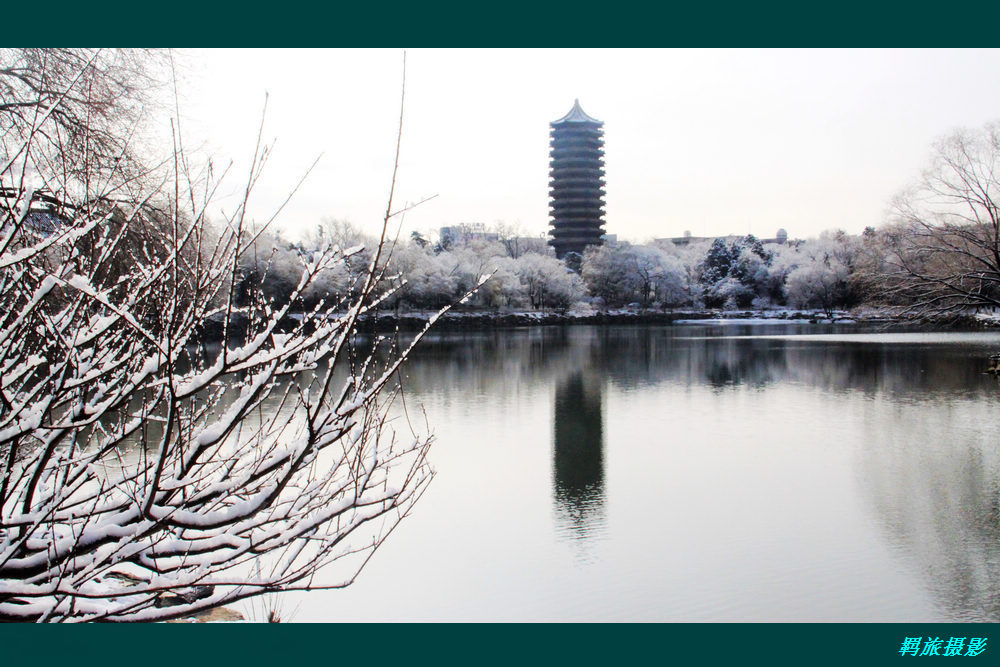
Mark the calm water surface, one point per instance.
(696, 473)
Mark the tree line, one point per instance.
(737, 272)
(936, 257)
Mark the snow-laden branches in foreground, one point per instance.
(145, 474)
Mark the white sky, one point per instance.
(712, 141)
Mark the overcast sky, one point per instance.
(711, 141)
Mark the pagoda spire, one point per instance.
(577, 115)
(576, 187)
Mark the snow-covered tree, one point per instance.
(940, 254)
(431, 279)
(547, 281)
(734, 273)
(822, 274)
(636, 273)
(784, 259)
(473, 259)
(504, 288)
(655, 275)
(672, 286)
(331, 287)
(690, 257)
(95, 104)
(139, 477)
(272, 266)
(817, 283)
(605, 273)
(718, 261)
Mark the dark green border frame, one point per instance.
(559, 645)
(580, 23)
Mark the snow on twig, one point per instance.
(142, 477)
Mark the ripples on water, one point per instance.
(703, 473)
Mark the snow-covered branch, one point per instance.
(168, 445)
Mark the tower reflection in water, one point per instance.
(578, 458)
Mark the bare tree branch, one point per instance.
(940, 256)
(142, 477)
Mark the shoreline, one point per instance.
(475, 319)
(457, 320)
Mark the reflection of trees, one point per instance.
(633, 356)
(934, 484)
(753, 365)
(578, 453)
(639, 355)
(933, 477)
(499, 364)
(916, 371)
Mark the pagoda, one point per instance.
(576, 188)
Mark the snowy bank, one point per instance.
(473, 318)
(479, 319)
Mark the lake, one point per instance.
(702, 472)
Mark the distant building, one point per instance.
(576, 188)
(687, 239)
(465, 232)
(780, 238)
(519, 245)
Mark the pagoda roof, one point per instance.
(577, 115)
